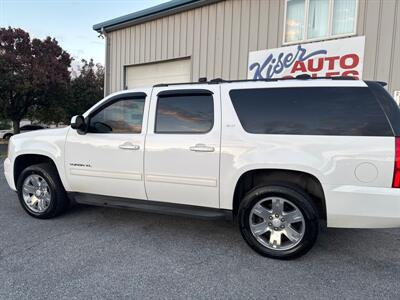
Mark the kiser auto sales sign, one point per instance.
(343, 57)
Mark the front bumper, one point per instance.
(9, 173)
(362, 207)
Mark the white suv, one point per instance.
(278, 156)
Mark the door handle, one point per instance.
(129, 146)
(202, 148)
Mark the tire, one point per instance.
(256, 215)
(52, 189)
(7, 136)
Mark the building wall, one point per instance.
(219, 36)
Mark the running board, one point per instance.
(153, 206)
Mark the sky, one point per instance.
(69, 22)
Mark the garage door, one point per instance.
(163, 72)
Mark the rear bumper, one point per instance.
(9, 173)
(362, 207)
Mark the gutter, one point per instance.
(155, 12)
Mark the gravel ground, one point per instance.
(107, 253)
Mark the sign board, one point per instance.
(342, 57)
(397, 97)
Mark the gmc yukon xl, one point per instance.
(278, 156)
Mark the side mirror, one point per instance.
(78, 123)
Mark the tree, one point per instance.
(54, 111)
(31, 73)
(86, 89)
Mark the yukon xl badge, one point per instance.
(80, 165)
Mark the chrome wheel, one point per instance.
(277, 223)
(36, 193)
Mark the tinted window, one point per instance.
(313, 111)
(26, 127)
(388, 104)
(184, 114)
(123, 116)
(31, 127)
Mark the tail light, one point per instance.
(396, 176)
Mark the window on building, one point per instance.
(294, 20)
(310, 111)
(344, 16)
(319, 19)
(184, 114)
(123, 116)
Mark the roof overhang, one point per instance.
(155, 12)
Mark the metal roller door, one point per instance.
(153, 73)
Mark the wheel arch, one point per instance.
(22, 161)
(258, 177)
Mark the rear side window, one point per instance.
(350, 111)
(185, 114)
(388, 104)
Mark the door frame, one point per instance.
(197, 181)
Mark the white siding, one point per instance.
(219, 36)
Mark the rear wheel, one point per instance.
(40, 191)
(278, 221)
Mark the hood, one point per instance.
(42, 133)
(47, 142)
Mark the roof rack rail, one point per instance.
(203, 80)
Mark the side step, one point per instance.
(153, 206)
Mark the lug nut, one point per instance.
(276, 228)
(282, 226)
(269, 224)
(277, 216)
(283, 220)
(270, 217)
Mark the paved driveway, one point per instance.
(110, 253)
(3, 149)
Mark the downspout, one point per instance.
(103, 34)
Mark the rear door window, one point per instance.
(185, 113)
(350, 111)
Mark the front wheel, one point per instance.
(40, 191)
(279, 221)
